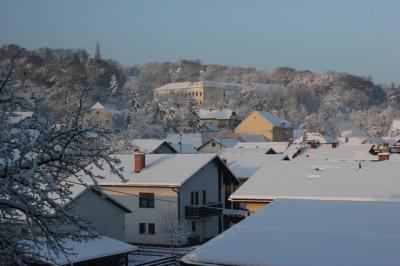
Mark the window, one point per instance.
(151, 228)
(213, 144)
(146, 200)
(142, 228)
(197, 94)
(204, 197)
(97, 112)
(193, 226)
(201, 93)
(194, 198)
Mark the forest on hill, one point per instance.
(331, 101)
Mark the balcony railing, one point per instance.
(196, 212)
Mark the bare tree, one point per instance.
(35, 158)
(172, 229)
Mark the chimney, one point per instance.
(383, 156)
(334, 144)
(140, 161)
(313, 144)
(385, 148)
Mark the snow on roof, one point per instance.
(278, 147)
(174, 86)
(343, 152)
(170, 170)
(19, 116)
(209, 127)
(194, 139)
(97, 105)
(308, 233)
(148, 145)
(184, 148)
(275, 120)
(225, 142)
(293, 150)
(219, 84)
(86, 250)
(314, 136)
(219, 114)
(252, 138)
(244, 166)
(323, 180)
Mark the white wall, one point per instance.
(108, 219)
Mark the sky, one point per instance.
(360, 37)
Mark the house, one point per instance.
(186, 189)
(220, 118)
(18, 117)
(156, 146)
(266, 124)
(106, 214)
(185, 142)
(257, 148)
(206, 92)
(321, 180)
(308, 233)
(394, 130)
(99, 115)
(92, 252)
(215, 145)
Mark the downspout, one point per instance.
(179, 202)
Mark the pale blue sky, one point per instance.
(359, 36)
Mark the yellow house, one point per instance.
(266, 124)
(99, 115)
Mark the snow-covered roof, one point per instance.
(19, 116)
(97, 105)
(278, 147)
(293, 150)
(209, 127)
(323, 180)
(275, 120)
(218, 84)
(342, 152)
(308, 233)
(218, 114)
(149, 145)
(314, 136)
(244, 166)
(225, 142)
(85, 250)
(252, 138)
(194, 139)
(184, 148)
(170, 170)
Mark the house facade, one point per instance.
(99, 115)
(220, 118)
(108, 220)
(266, 124)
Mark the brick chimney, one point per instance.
(384, 155)
(313, 144)
(140, 161)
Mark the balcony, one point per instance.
(197, 212)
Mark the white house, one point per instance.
(308, 233)
(215, 145)
(183, 190)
